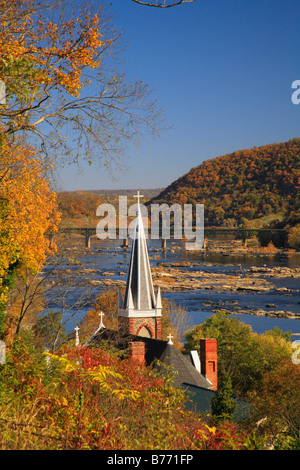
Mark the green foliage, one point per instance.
(243, 356)
(223, 404)
(261, 371)
(7, 283)
(244, 185)
(276, 403)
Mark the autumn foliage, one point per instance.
(89, 399)
(58, 62)
(39, 54)
(245, 185)
(28, 210)
(28, 207)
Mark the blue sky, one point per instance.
(222, 71)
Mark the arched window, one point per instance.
(145, 331)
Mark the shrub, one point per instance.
(85, 398)
(294, 237)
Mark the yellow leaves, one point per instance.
(29, 207)
(123, 394)
(103, 374)
(50, 28)
(67, 365)
(212, 429)
(106, 376)
(3, 292)
(61, 50)
(204, 432)
(61, 402)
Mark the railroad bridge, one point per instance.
(278, 236)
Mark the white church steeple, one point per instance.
(139, 299)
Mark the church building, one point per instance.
(139, 329)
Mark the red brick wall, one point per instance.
(158, 328)
(134, 325)
(137, 351)
(209, 360)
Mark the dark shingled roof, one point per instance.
(160, 354)
(182, 367)
(199, 400)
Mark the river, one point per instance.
(105, 257)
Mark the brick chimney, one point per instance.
(209, 361)
(137, 351)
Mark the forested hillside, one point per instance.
(256, 187)
(78, 208)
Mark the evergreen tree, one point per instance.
(223, 405)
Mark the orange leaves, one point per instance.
(28, 207)
(50, 53)
(62, 49)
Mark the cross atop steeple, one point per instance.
(139, 293)
(138, 196)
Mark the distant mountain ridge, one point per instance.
(79, 207)
(261, 185)
(127, 192)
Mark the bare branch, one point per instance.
(163, 3)
(47, 86)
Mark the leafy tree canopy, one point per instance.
(59, 64)
(259, 185)
(243, 356)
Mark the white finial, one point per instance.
(158, 299)
(101, 314)
(170, 339)
(77, 342)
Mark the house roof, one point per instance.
(182, 368)
(199, 400)
(164, 357)
(168, 360)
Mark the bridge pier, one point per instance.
(242, 234)
(88, 234)
(125, 243)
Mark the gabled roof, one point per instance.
(164, 357)
(182, 367)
